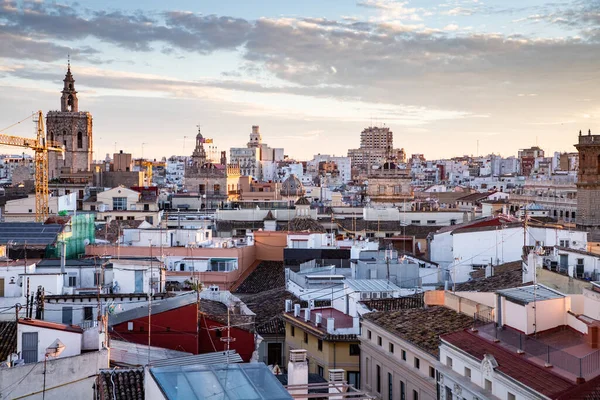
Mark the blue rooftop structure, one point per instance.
(252, 381)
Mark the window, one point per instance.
(96, 278)
(404, 355)
(417, 363)
(415, 395)
(72, 281)
(431, 222)
(217, 189)
(320, 345)
(92, 208)
(381, 189)
(369, 335)
(52, 136)
(452, 222)
(119, 218)
(468, 372)
(305, 337)
(119, 203)
(378, 379)
(79, 140)
(488, 385)
(146, 207)
(415, 221)
(149, 219)
(391, 347)
(368, 371)
(293, 331)
(390, 387)
(88, 313)
(511, 396)
(402, 391)
(449, 394)
(320, 371)
(354, 379)
(397, 189)
(449, 362)
(130, 218)
(431, 372)
(379, 340)
(354, 349)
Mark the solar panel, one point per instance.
(32, 233)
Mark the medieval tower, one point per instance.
(588, 182)
(71, 129)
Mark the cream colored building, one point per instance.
(121, 203)
(23, 210)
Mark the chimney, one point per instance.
(330, 325)
(298, 374)
(336, 383)
(318, 319)
(296, 310)
(288, 306)
(307, 314)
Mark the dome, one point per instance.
(292, 187)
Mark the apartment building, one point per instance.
(399, 351)
(329, 337)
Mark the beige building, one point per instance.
(376, 146)
(399, 351)
(329, 338)
(389, 184)
(121, 203)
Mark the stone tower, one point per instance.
(255, 138)
(199, 154)
(71, 129)
(588, 182)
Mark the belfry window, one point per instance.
(79, 140)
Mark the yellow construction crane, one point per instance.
(41, 147)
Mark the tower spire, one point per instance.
(69, 62)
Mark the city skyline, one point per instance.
(462, 75)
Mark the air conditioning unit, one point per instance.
(375, 295)
(364, 295)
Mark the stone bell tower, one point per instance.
(71, 129)
(588, 182)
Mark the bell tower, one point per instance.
(68, 101)
(588, 182)
(71, 129)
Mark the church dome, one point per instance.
(292, 187)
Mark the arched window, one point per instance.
(79, 140)
(51, 138)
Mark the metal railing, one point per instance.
(582, 367)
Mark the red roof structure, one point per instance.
(534, 376)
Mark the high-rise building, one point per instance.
(588, 182)
(72, 129)
(376, 147)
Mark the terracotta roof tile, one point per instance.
(121, 384)
(8, 339)
(267, 275)
(421, 326)
(534, 376)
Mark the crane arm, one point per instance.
(33, 144)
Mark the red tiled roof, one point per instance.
(51, 325)
(511, 364)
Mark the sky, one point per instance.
(449, 77)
